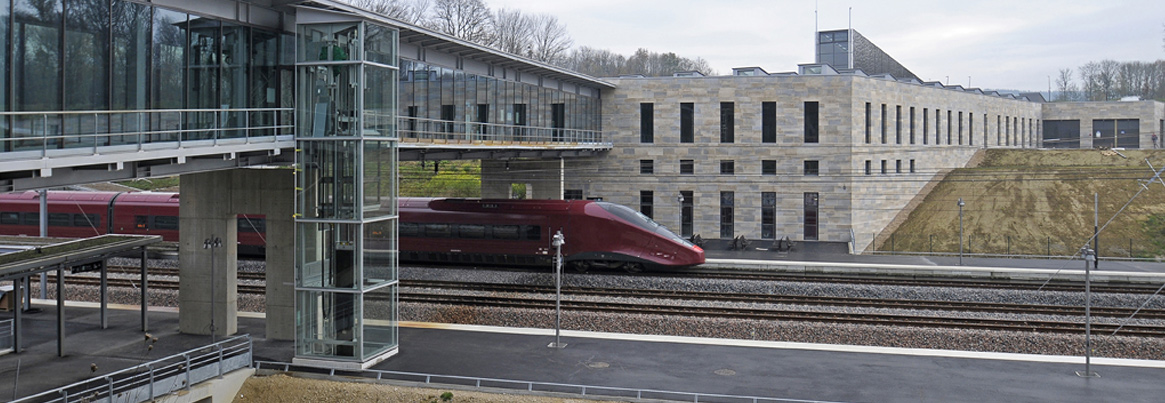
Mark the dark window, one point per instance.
(727, 203)
(433, 230)
(869, 122)
(768, 215)
(911, 125)
(970, 128)
(911, 166)
(506, 232)
(408, 229)
(60, 220)
(687, 120)
(558, 121)
(869, 167)
(252, 224)
(1060, 134)
(519, 120)
(10, 218)
(471, 231)
(960, 128)
(166, 222)
(29, 218)
(769, 122)
(686, 213)
(949, 126)
(448, 115)
(727, 122)
(925, 125)
(898, 124)
(687, 167)
(768, 167)
(897, 166)
(483, 118)
(646, 167)
(998, 130)
(533, 232)
(727, 167)
(646, 202)
(811, 168)
(811, 133)
(884, 134)
(883, 167)
(86, 220)
(811, 203)
(411, 125)
(572, 194)
(938, 115)
(646, 122)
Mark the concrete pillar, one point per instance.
(545, 178)
(210, 203)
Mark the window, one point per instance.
(686, 215)
(768, 215)
(687, 119)
(949, 126)
(811, 127)
(925, 125)
(810, 168)
(912, 125)
(727, 124)
(960, 128)
(10, 218)
(898, 166)
(86, 220)
(869, 167)
(646, 167)
(912, 166)
(60, 220)
(883, 123)
(811, 203)
(646, 198)
(998, 130)
(471, 231)
(166, 222)
(769, 122)
(572, 194)
(883, 167)
(869, 135)
(687, 167)
(727, 167)
(898, 124)
(768, 167)
(647, 122)
(970, 129)
(448, 115)
(727, 203)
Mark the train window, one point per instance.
(141, 222)
(408, 229)
(86, 220)
(60, 219)
(471, 231)
(165, 222)
(437, 230)
(507, 232)
(250, 224)
(10, 218)
(533, 232)
(29, 218)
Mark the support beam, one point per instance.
(104, 296)
(16, 327)
(61, 311)
(145, 286)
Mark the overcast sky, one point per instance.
(1005, 44)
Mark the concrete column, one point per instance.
(545, 178)
(272, 192)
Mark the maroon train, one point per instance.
(519, 232)
(84, 214)
(510, 232)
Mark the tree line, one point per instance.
(1109, 80)
(539, 37)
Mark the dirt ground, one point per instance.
(1040, 201)
(287, 389)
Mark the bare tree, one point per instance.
(1064, 85)
(511, 31)
(549, 40)
(465, 19)
(410, 11)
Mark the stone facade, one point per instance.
(1149, 117)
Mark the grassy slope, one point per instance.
(1032, 196)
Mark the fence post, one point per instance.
(1130, 248)
(187, 357)
(110, 379)
(1049, 246)
(931, 243)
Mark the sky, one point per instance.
(1002, 45)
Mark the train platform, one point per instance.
(781, 371)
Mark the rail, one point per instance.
(6, 334)
(157, 378)
(528, 386)
(471, 132)
(77, 132)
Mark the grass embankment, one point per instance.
(1036, 201)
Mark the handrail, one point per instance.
(533, 386)
(156, 378)
(460, 131)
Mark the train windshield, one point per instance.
(642, 221)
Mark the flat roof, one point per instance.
(71, 252)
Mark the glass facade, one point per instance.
(346, 214)
(833, 49)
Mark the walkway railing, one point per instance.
(78, 132)
(6, 335)
(156, 378)
(528, 386)
(469, 132)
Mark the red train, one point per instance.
(519, 232)
(74, 214)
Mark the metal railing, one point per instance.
(157, 378)
(470, 132)
(70, 132)
(6, 334)
(528, 386)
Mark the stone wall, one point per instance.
(1151, 115)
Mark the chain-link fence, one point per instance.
(1004, 245)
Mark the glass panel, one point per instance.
(328, 42)
(37, 55)
(327, 324)
(379, 102)
(327, 100)
(380, 45)
(169, 33)
(327, 255)
(5, 17)
(380, 252)
(131, 38)
(203, 75)
(264, 82)
(235, 58)
(87, 56)
(327, 182)
(380, 322)
(380, 162)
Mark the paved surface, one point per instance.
(781, 370)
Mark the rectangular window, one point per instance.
(483, 118)
(727, 167)
(768, 122)
(811, 168)
(727, 124)
(925, 126)
(869, 167)
(998, 130)
(768, 167)
(883, 167)
(811, 126)
(912, 166)
(86, 220)
(898, 166)
(687, 167)
(869, 135)
(911, 125)
(60, 220)
(10, 218)
(448, 115)
(1007, 130)
(646, 167)
(687, 120)
(960, 128)
(646, 202)
(727, 204)
(572, 194)
(686, 212)
(646, 122)
(768, 215)
(898, 124)
(811, 203)
(970, 129)
(938, 118)
(165, 222)
(884, 134)
(949, 126)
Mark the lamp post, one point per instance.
(961, 204)
(212, 243)
(1089, 256)
(557, 242)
